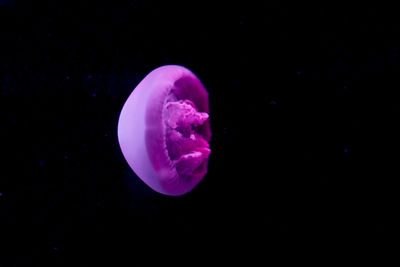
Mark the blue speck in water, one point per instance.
(346, 150)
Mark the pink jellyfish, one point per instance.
(164, 130)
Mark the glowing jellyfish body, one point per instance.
(164, 130)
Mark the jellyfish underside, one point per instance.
(186, 146)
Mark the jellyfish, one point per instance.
(164, 130)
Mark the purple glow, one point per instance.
(164, 130)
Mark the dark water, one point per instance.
(304, 116)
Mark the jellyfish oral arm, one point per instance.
(187, 148)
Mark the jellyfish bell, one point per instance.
(164, 130)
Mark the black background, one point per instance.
(304, 117)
